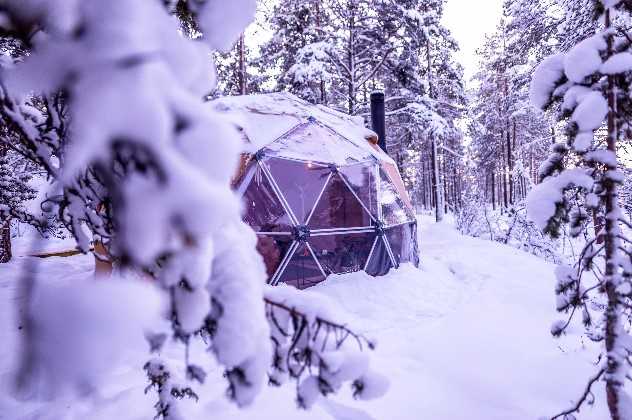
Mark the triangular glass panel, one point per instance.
(302, 271)
(338, 207)
(361, 178)
(403, 242)
(263, 210)
(394, 211)
(380, 262)
(344, 253)
(273, 249)
(300, 183)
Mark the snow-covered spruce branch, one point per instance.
(319, 355)
(316, 353)
(169, 392)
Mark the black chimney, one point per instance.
(378, 120)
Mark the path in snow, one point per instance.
(463, 337)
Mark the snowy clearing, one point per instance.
(466, 336)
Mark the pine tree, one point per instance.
(15, 171)
(425, 91)
(590, 87)
(236, 71)
(15, 192)
(286, 60)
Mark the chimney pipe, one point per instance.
(378, 118)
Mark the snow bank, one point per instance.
(448, 334)
(87, 326)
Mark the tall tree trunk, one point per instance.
(486, 192)
(422, 173)
(436, 189)
(439, 210)
(446, 195)
(243, 90)
(455, 198)
(614, 376)
(493, 189)
(323, 95)
(351, 59)
(504, 176)
(510, 161)
(5, 226)
(5, 241)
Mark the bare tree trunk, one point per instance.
(455, 198)
(424, 184)
(510, 161)
(504, 175)
(5, 241)
(493, 190)
(486, 187)
(439, 211)
(243, 90)
(5, 227)
(323, 95)
(436, 190)
(351, 59)
(614, 385)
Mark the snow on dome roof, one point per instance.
(265, 118)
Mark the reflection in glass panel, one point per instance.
(273, 249)
(394, 211)
(262, 209)
(338, 208)
(414, 258)
(300, 183)
(362, 179)
(342, 253)
(402, 240)
(380, 263)
(302, 271)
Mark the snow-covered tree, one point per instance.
(16, 171)
(15, 192)
(286, 60)
(589, 86)
(426, 98)
(140, 164)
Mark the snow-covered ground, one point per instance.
(465, 336)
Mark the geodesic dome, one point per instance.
(321, 198)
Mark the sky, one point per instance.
(469, 21)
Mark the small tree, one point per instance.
(15, 191)
(590, 86)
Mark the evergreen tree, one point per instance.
(15, 191)
(589, 86)
(425, 91)
(285, 58)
